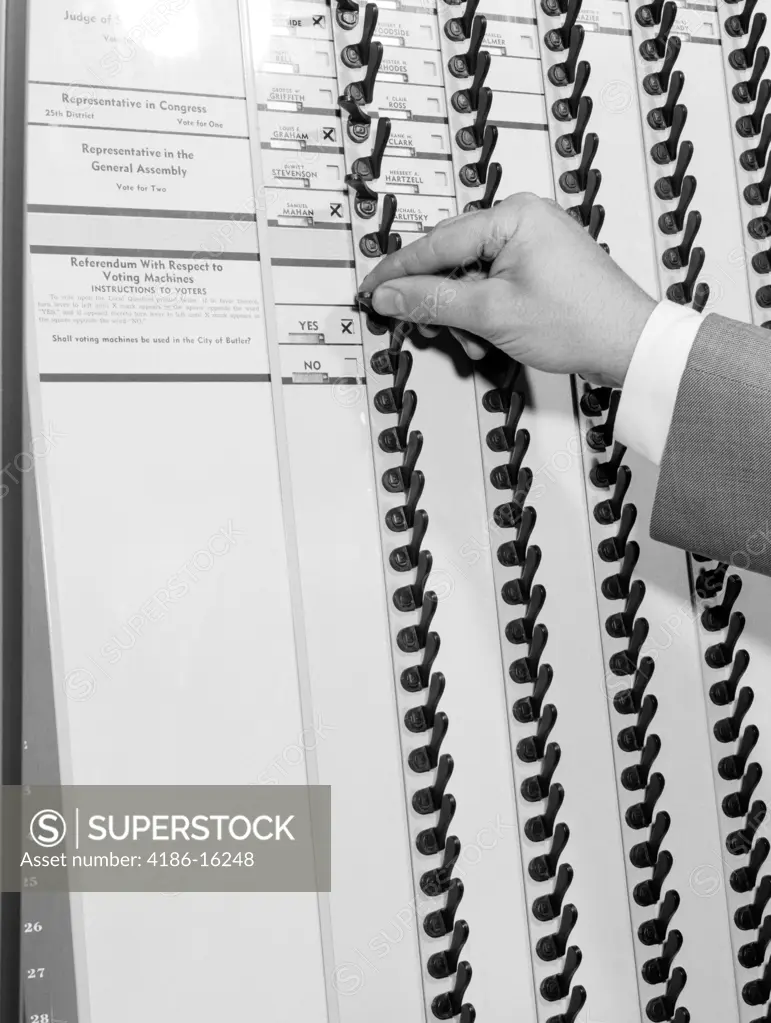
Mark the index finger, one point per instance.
(454, 243)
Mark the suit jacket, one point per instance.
(714, 490)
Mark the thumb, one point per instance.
(464, 304)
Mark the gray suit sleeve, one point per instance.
(714, 489)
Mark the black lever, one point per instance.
(564, 73)
(649, 14)
(402, 518)
(662, 1008)
(632, 738)
(710, 581)
(629, 701)
(365, 201)
(525, 669)
(558, 985)
(569, 145)
(367, 168)
(596, 400)
(613, 548)
(416, 677)
(532, 748)
(450, 1004)
(656, 48)
(430, 841)
(745, 92)
(396, 480)
(389, 399)
(665, 152)
(656, 971)
(395, 438)
(671, 186)
(549, 907)
(575, 1005)
(528, 709)
(441, 921)
(384, 361)
(657, 82)
(433, 800)
(434, 882)
(635, 777)
(458, 29)
(474, 174)
(739, 842)
(543, 868)
(732, 767)
(572, 181)
(743, 58)
(553, 946)
(716, 617)
(514, 553)
(584, 212)
(653, 932)
(755, 159)
(537, 787)
(682, 291)
(605, 474)
(677, 257)
(357, 55)
(567, 109)
(503, 438)
(621, 624)
(673, 221)
(640, 815)
(753, 953)
(609, 511)
(494, 175)
(728, 729)
(421, 718)
(359, 121)
(409, 598)
(464, 65)
(644, 854)
(616, 587)
(736, 804)
(425, 758)
(559, 38)
(517, 591)
(362, 92)
(721, 654)
(739, 24)
(382, 242)
(413, 637)
(624, 662)
(520, 630)
(599, 437)
(541, 827)
(747, 918)
(444, 964)
(405, 559)
(507, 476)
(467, 100)
(661, 117)
(473, 136)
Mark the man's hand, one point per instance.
(525, 277)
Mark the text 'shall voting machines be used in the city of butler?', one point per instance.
(274, 538)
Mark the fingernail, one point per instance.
(388, 301)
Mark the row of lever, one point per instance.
(514, 477)
(756, 125)
(633, 700)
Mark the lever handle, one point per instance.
(739, 24)
(467, 100)
(613, 548)
(653, 932)
(474, 174)
(683, 291)
(673, 221)
(567, 109)
(444, 964)
(367, 168)
(656, 48)
(661, 117)
(358, 54)
(743, 58)
(657, 82)
(670, 187)
(745, 92)
(473, 136)
(553, 946)
(731, 768)
(535, 788)
(676, 257)
(572, 181)
(435, 882)
(382, 242)
(458, 29)
(569, 145)
(635, 777)
(564, 73)
(464, 65)
(494, 175)
(559, 38)
(528, 709)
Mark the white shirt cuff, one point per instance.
(653, 378)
